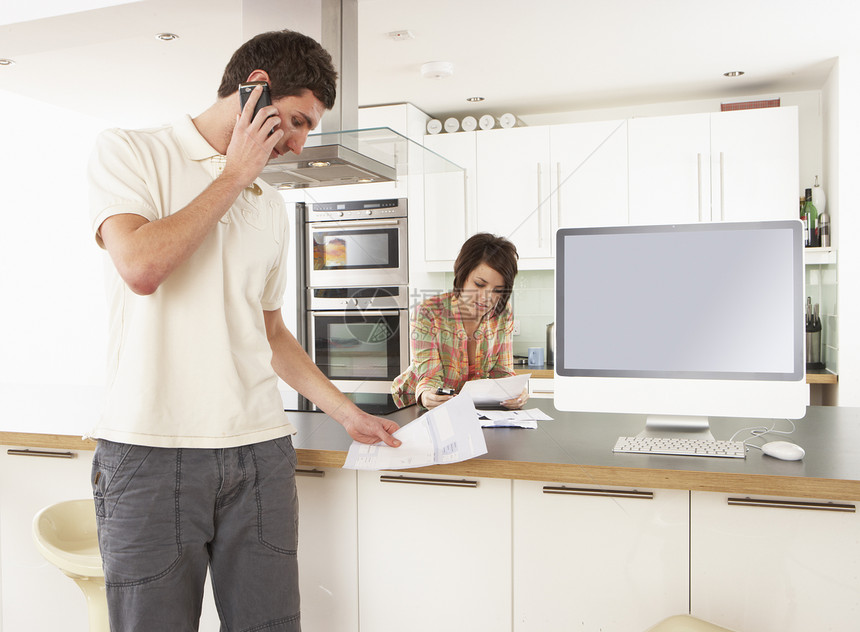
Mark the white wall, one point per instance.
(53, 319)
(844, 200)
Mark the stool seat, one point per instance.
(686, 623)
(66, 535)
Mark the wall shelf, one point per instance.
(819, 256)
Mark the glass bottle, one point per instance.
(811, 214)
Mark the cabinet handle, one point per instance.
(793, 504)
(41, 453)
(609, 493)
(558, 194)
(699, 167)
(413, 480)
(314, 473)
(539, 199)
(722, 187)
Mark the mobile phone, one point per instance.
(245, 90)
(444, 391)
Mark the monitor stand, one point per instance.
(677, 427)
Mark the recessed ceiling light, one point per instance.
(437, 69)
(733, 73)
(7, 62)
(166, 37)
(475, 99)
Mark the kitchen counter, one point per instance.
(542, 372)
(813, 376)
(576, 448)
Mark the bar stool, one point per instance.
(65, 534)
(686, 623)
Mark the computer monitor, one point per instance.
(682, 322)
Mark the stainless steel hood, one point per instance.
(328, 158)
(325, 165)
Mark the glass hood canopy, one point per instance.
(361, 156)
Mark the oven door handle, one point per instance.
(352, 312)
(358, 223)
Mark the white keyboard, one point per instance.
(681, 447)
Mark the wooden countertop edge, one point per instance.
(811, 378)
(802, 487)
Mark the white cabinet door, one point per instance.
(754, 164)
(434, 557)
(669, 159)
(598, 562)
(589, 174)
(328, 549)
(774, 569)
(449, 198)
(514, 188)
(36, 595)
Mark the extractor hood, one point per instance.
(329, 163)
(329, 158)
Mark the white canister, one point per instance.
(487, 121)
(451, 125)
(434, 126)
(507, 120)
(470, 123)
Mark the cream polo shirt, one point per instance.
(190, 364)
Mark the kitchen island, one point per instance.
(551, 528)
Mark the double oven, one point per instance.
(357, 304)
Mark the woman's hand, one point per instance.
(429, 399)
(517, 402)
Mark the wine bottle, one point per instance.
(811, 214)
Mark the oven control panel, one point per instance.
(358, 209)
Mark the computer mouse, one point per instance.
(783, 450)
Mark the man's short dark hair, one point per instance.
(295, 63)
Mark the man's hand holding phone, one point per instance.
(255, 135)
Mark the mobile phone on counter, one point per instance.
(245, 90)
(444, 391)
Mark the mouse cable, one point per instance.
(758, 431)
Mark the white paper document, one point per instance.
(447, 434)
(512, 418)
(492, 392)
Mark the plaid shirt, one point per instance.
(440, 353)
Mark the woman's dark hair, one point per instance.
(497, 252)
(295, 63)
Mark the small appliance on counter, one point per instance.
(813, 336)
(550, 344)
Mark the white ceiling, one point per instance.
(524, 57)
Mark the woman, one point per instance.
(466, 334)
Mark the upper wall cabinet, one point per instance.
(447, 221)
(589, 174)
(514, 188)
(755, 172)
(726, 166)
(533, 180)
(524, 183)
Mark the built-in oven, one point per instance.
(361, 243)
(359, 336)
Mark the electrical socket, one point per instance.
(516, 327)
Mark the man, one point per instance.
(195, 466)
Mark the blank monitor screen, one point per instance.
(692, 301)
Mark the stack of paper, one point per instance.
(493, 392)
(447, 434)
(512, 418)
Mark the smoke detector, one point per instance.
(437, 69)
